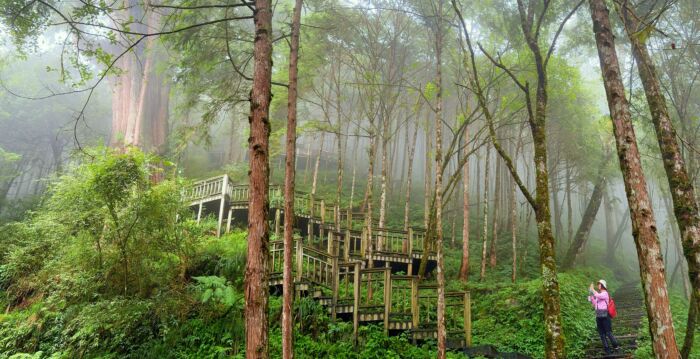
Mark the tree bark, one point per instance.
(256, 286)
(682, 190)
(651, 264)
(464, 267)
(496, 205)
(289, 177)
(409, 177)
(441, 329)
(586, 222)
(485, 231)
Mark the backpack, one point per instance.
(612, 311)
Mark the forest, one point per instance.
(349, 179)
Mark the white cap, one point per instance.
(604, 283)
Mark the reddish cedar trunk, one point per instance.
(289, 177)
(682, 190)
(464, 268)
(485, 231)
(586, 223)
(441, 329)
(256, 287)
(140, 93)
(651, 266)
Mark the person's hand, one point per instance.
(591, 286)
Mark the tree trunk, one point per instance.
(289, 174)
(256, 286)
(464, 268)
(569, 214)
(409, 177)
(441, 329)
(651, 264)
(314, 179)
(586, 222)
(495, 221)
(427, 177)
(682, 190)
(609, 227)
(485, 231)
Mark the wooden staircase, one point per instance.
(630, 309)
(359, 273)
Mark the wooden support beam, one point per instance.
(410, 252)
(199, 213)
(415, 314)
(221, 215)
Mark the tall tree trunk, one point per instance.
(385, 169)
(354, 171)
(651, 266)
(289, 174)
(441, 329)
(569, 214)
(495, 221)
(256, 286)
(464, 267)
(609, 227)
(314, 178)
(682, 190)
(485, 231)
(586, 222)
(427, 177)
(409, 177)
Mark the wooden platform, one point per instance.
(354, 270)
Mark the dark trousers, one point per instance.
(605, 331)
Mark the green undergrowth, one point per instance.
(510, 316)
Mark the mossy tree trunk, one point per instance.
(651, 265)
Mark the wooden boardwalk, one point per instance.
(359, 273)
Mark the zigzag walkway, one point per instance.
(361, 274)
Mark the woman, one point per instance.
(600, 300)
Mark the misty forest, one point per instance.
(349, 179)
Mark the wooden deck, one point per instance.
(358, 272)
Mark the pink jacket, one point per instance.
(599, 300)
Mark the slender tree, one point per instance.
(289, 174)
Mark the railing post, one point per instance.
(336, 278)
(329, 243)
(387, 298)
(277, 223)
(346, 249)
(363, 242)
(199, 212)
(356, 303)
(468, 318)
(323, 219)
(300, 257)
(228, 222)
(224, 184)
